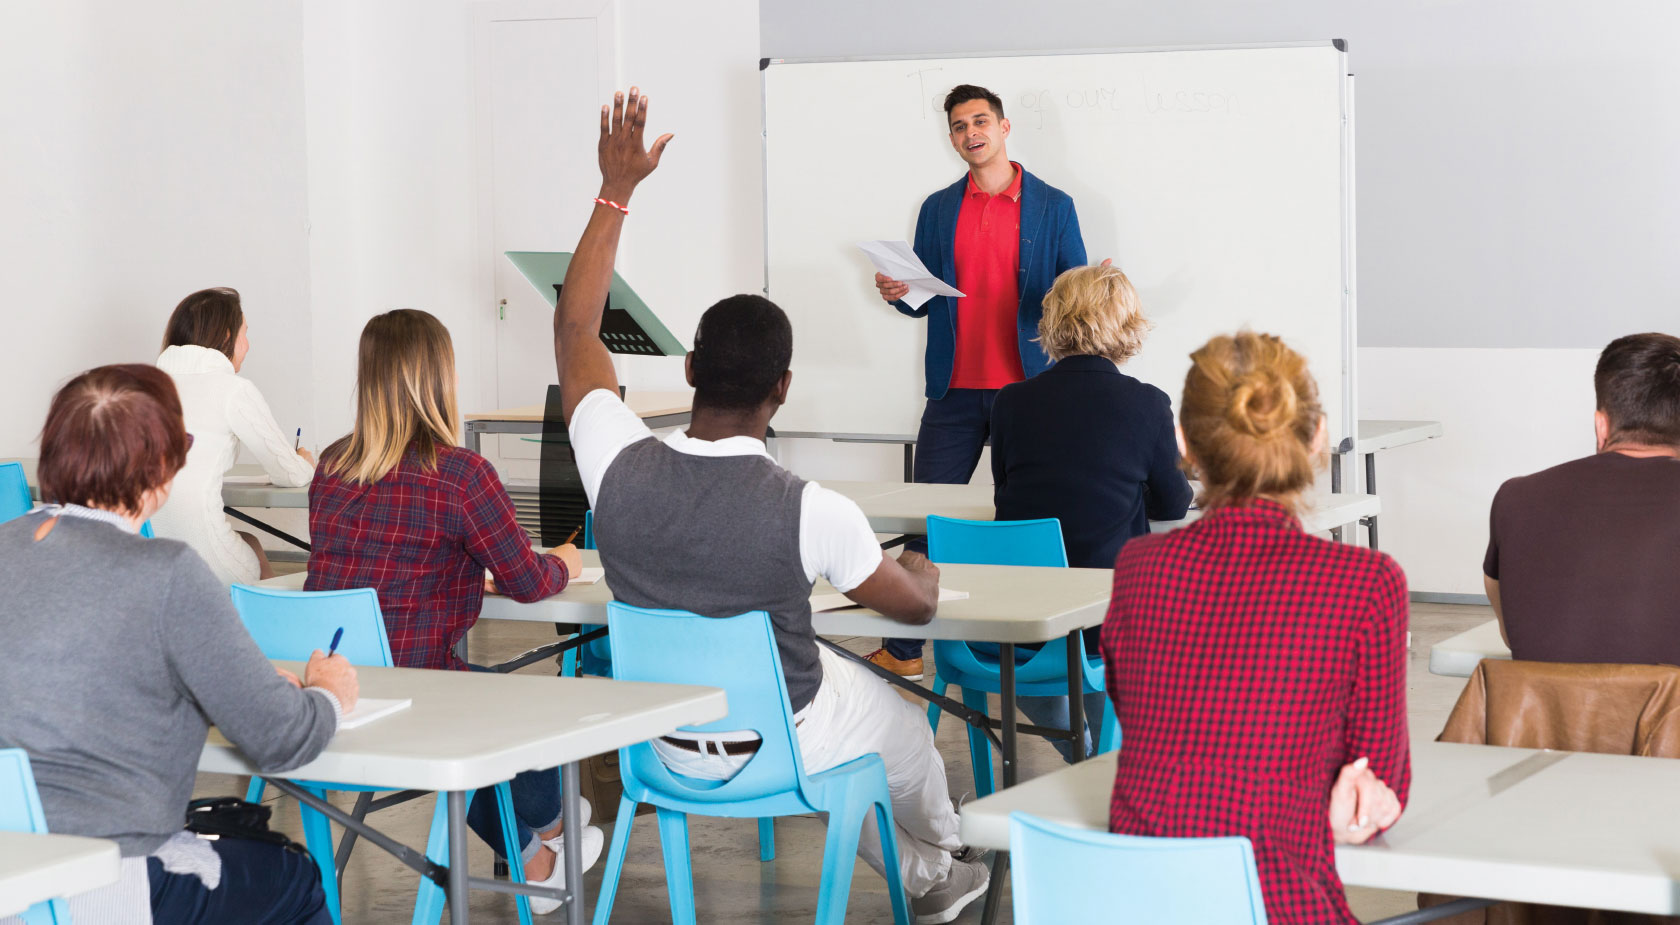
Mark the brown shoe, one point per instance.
(908, 669)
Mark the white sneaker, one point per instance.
(593, 842)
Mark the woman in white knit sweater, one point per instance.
(203, 349)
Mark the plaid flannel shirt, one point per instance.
(1249, 661)
(423, 540)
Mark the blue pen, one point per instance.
(336, 637)
(299, 441)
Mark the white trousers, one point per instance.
(854, 714)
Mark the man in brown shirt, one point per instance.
(1583, 559)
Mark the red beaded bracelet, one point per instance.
(609, 202)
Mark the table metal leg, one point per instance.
(1371, 489)
(1006, 683)
(1436, 913)
(909, 462)
(994, 889)
(571, 838)
(457, 888)
(473, 439)
(1076, 698)
(1336, 487)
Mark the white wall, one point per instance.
(150, 150)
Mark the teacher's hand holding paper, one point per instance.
(900, 274)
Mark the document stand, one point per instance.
(628, 326)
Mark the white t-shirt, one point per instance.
(835, 541)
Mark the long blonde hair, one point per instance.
(405, 396)
(1250, 417)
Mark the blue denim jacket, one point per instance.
(1050, 243)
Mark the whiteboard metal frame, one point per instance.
(1349, 381)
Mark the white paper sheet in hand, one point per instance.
(898, 260)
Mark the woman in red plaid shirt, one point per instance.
(396, 506)
(1259, 673)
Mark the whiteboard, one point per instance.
(1219, 179)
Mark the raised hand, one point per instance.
(625, 160)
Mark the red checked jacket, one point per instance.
(423, 540)
(1249, 661)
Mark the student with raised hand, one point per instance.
(204, 347)
(1583, 559)
(706, 521)
(126, 650)
(1087, 444)
(1000, 235)
(398, 507)
(1259, 673)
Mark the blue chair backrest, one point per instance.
(1063, 874)
(737, 654)
(996, 542)
(588, 530)
(20, 804)
(147, 531)
(291, 624)
(14, 492)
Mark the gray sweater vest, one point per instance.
(716, 536)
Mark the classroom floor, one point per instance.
(730, 883)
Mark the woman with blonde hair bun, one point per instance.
(1085, 443)
(1259, 673)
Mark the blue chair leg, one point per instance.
(979, 747)
(254, 791)
(889, 859)
(510, 838)
(1109, 739)
(428, 904)
(615, 859)
(845, 817)
(679, 876)
(939, 686)
(569, 663)
(50, 912)
(317, 837)
(767, 838)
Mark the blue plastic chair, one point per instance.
(592, 657)
(739, 655)
(1061, 874)
(973, 667)
(20, 811)
(290, 625)
(15, 500)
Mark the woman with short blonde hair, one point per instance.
(1085, 443)
(398, 507)
(1092, 311)
(1259, 672)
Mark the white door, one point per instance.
(544, 67)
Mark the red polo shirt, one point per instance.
(987, 251)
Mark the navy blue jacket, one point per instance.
(1087, 444)
(1050, 243)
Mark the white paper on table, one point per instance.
(588, 576)
(369, 709)
(823, 603)
(898, 260)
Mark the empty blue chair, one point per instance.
(290, 625)
(739, 655)
(15, 500)
(973, 667)
(20, 811)
(1062, 874)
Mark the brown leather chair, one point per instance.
(1612, 709)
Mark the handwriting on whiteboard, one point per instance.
(1029, 107)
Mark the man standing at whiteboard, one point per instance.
(1001, 236)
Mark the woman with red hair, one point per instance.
(120, 654)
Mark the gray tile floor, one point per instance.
(731, 885)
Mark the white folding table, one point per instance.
(36, 867)
(468, 730)
(897, 507)
(1374, 437)
(1457, 656)
(1497, 824)
(656, 409)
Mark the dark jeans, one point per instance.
(262, 884)
(953, 432)
(536, 806)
